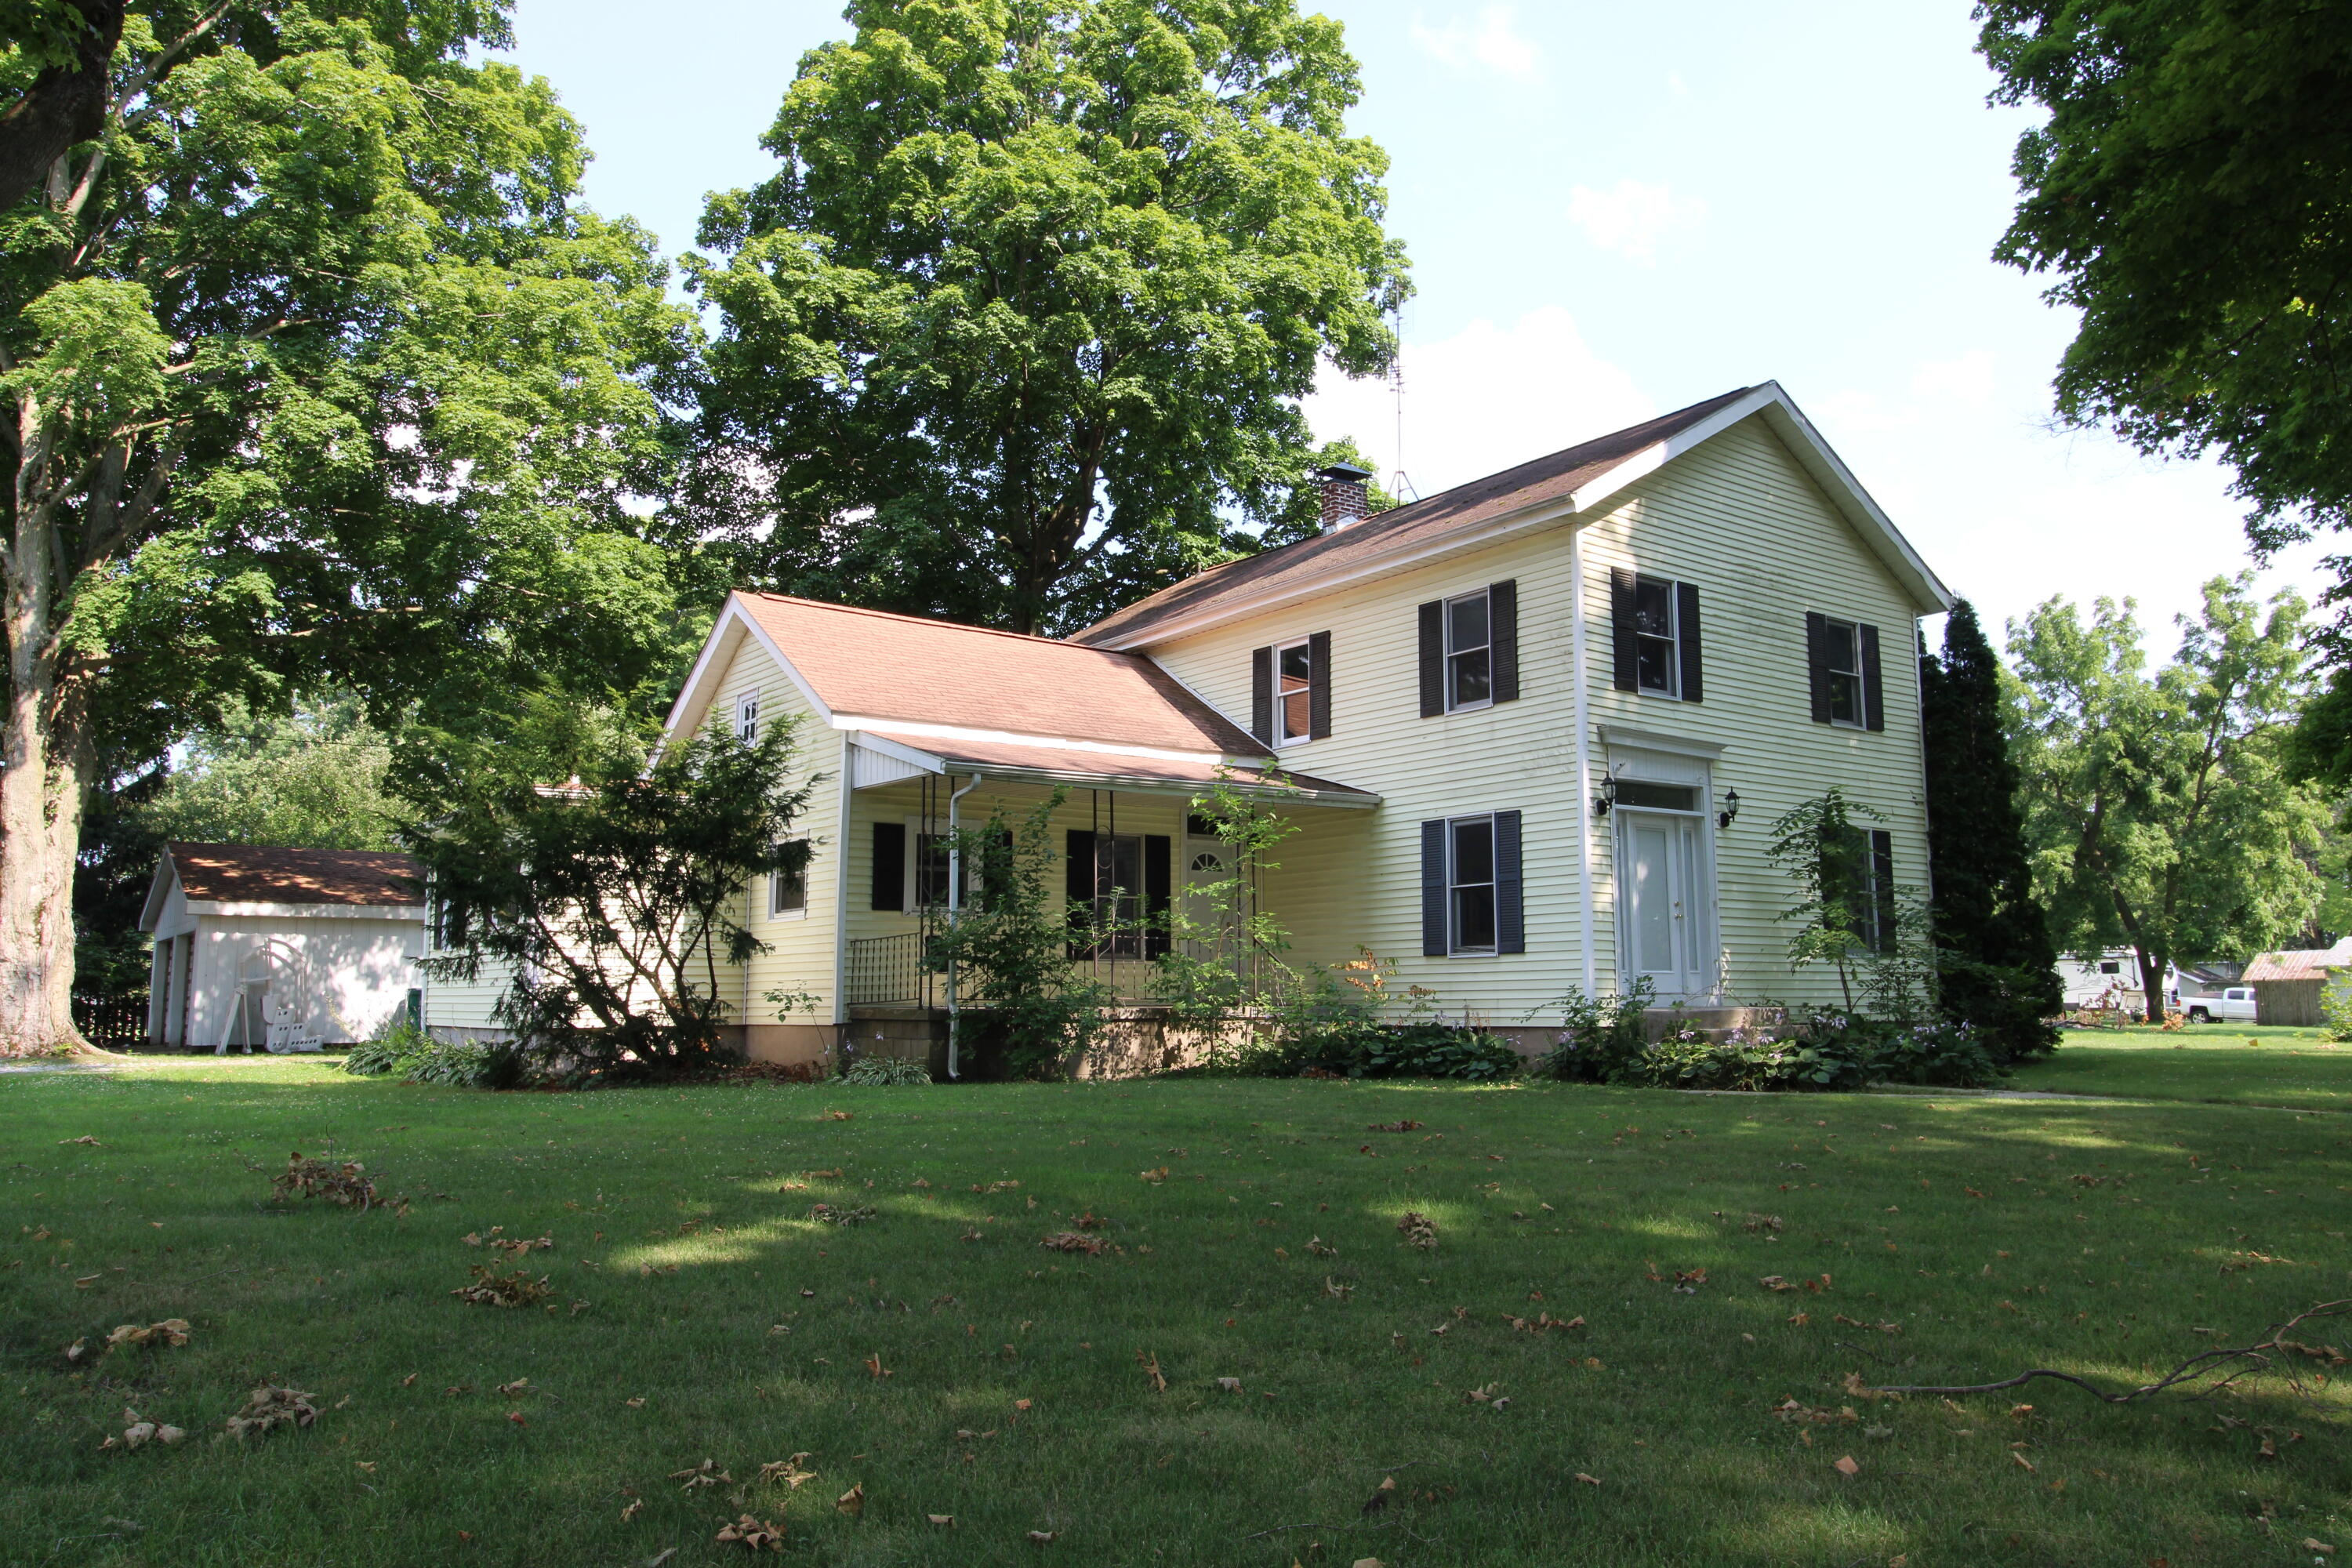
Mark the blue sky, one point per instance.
(1614, 211)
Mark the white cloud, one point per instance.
(1630, 217)
(1968, 379)
(1491, 40)
(1482, 400)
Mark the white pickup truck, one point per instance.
(2235, 1003)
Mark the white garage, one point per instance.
(260, 948)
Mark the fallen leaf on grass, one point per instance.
(1230, 1384)
(944, 1521)
(828, 1214)
(269, 1407)
(755, 1533)
(1319, 1248)
(1072, 1241)
(838, 1115)
(170, 1331)
(2022, 1462)
(1154, 1176)
(491, 1288)
(1847, 1467)
(852, 1502)
(874, 1365)
(85, 1138)
(1368, 1562)
(788, 1471)
(138, 1431)
(1393, 1126)
(1043, 1537)
(635, 1404)
(519, 1385)
(1418, 1230)
(630, 1512)
(1380, 1497)
(705, 1474)
(2326, 1549)
(1588, 1481)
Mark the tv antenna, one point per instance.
(1400, 485)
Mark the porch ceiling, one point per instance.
(1028, 760)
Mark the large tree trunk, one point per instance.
(2152, 965)
(44, 757)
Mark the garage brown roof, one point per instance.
(2294, 963)
(262, 874)
(1406, 528)
(871, 664)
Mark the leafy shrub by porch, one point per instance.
(417, 1057)
(885, 1071)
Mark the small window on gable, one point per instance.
(746, 717)
(1469, 652)
(2110, 966)
(1849, 701)
(1294, 699)
(1656, 665)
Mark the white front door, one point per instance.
(1661, 883)
(1207, 861)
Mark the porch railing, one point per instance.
(887, 971)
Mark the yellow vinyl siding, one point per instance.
(800, 956)
(1736, 516)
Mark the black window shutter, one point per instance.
(1686, 640)
(1318, 692)
(1159, 883)
(1262, 694)
(890, 865)
(1817, 663)
(1079, 886)
(1433, 659)
(1882, 889)
(1503, 631)
(1874, 706)
(1433, 888)
(1510, 915)
(1621, 628)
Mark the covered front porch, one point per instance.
(1128, 843)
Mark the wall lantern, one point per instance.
(1730, 812)
(1606, 800)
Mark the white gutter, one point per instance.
(1583, 757)
(955, 909)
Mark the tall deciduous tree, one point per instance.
(2190, 193)
(312, 368)
(2161, 810)
(1996, 966)
(1017, 331)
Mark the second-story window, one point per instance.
(747, 718)
(1295, 694)
(1842, 655)
(1656, 663)
(1469, 652)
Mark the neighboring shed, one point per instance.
(322, 943)
(2287, 985)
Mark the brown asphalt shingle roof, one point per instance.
(260, 874)
(872, 664)
(1406, 528)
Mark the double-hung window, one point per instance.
(1841, 657)
(1294, 699)
(1470, 883)
(1657, 662)
(787, 894)
(746, 717)
(1469, 652)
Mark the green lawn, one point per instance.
(1965, 1238)
(2227, 1064)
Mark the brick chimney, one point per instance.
(1344, 501)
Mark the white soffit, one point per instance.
(874, 761)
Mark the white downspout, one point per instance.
(955, 909)
(1583, 756)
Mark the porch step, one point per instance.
(1715, 1024)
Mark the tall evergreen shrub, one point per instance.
(1996, 966)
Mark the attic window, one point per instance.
(747, 718)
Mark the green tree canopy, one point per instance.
(2160, 809)
(2191, 194)
(310, 779)
(1017, 331)
(315, 371)
(1996, 968)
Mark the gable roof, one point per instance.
(1541, 492)
(2296, 963)
(869, 667)
(265, 874)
